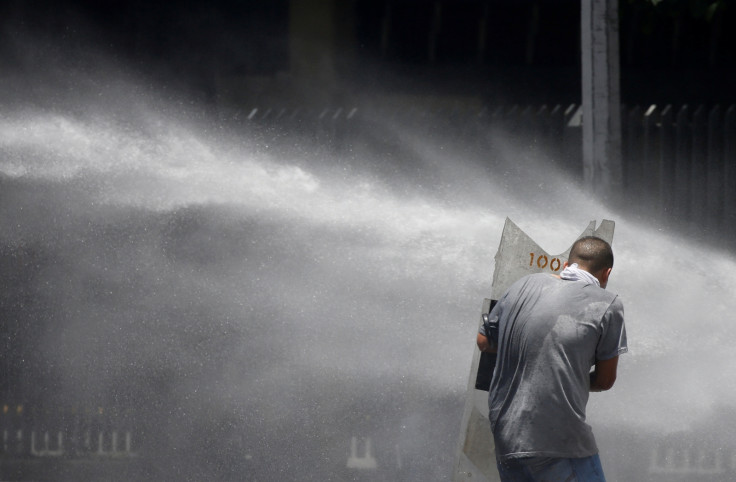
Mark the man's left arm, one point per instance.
(611, 344)
(604, 375)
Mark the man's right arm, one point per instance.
(485, 344)
(488, 332)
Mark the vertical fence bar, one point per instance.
(682, 164)
(573, 141)
(667, 162)
(626, 151)
(541, 126)
(729, 174)
(632, 171)
(714, 170)
(649, 182)
(698, 169)
(527, 123)
(555, 130)
(511, 118)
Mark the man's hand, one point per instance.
(485, 345)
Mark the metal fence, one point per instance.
(33, 432)
(681, 162)
(678, 163)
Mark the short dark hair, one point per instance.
(591, 253)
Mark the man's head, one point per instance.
(594, 255)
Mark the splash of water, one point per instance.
(374, 278)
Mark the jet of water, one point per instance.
(200, 271)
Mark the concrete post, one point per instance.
(602, 171)
(312, 31)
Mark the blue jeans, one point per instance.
(587, 469)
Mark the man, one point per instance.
(548, 331)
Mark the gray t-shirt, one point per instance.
(549, 332)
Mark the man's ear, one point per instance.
(603, 277)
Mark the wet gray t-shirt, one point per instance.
(549, 332)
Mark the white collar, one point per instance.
(574, 273)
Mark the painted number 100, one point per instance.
(544, 262)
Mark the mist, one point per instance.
(245, 305)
